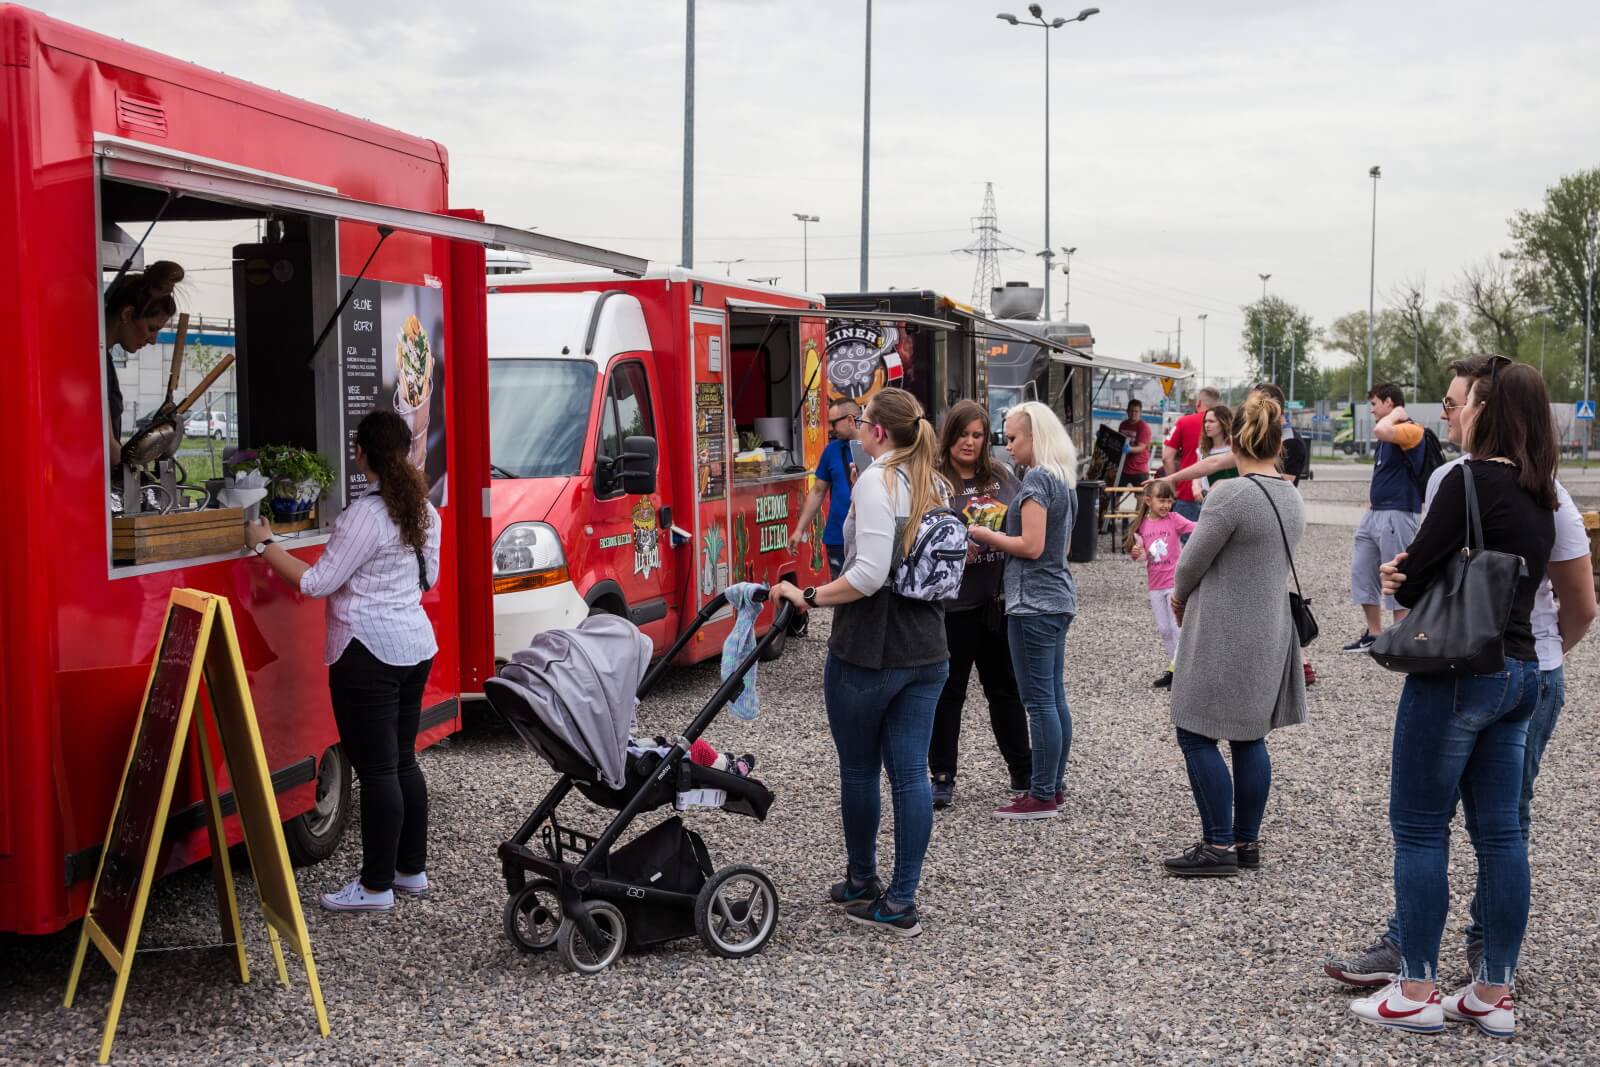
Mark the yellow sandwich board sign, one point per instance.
(198, 644)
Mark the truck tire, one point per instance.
(313, 836)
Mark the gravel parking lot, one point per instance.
(1056, 942)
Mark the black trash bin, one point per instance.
(1086, 530)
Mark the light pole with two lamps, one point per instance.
(1263, 278)
(805, 245)
(1054, 24)
(1067, 270)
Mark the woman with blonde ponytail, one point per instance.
(383, 555)
(1041, 597)
(887, 664)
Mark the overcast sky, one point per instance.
(1196, 144)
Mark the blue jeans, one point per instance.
(1552, 696)
(1038, 657)
(1230, 809)
(883, 720)
(1463, 737)
(1189, 509)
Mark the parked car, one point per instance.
(200, 426)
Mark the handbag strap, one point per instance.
(1281, 533)
(422, 570)
(1474, 518)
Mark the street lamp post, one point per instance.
(729, 263)
(1055, 24)
(1263, 278)
(1067, 270)
(688, 142)
(866, 147)
(1372, 276)
(1591, 246)
(1543, 311)
(805, 246)
(1203, 316)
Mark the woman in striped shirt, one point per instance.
(383, 555)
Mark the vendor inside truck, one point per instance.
(138, 305)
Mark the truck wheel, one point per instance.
(313, 836)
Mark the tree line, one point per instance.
(1527, 301)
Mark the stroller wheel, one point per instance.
(736, 912)
(533, 915)
(583, 958)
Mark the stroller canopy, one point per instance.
(581, 683)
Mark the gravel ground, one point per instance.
(1058, 941)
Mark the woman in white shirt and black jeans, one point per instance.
(384, 553)
(887, 664)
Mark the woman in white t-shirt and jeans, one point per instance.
(887, 664)
(384, 553)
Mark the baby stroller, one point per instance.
(590, 902)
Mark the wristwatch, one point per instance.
(809, 595)
(261, 547)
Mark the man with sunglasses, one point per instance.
(835, 475)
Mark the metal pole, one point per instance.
(1372, 276)
(1048, 258)
(1593, 234)
(1180, 338)
(866, 147)
(1203, 349)
(1291, 366)
(688, 141)
(805, 253)
(1542, 320)
(1264, 278)
(1067, 311)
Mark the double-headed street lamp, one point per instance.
(805, 244)
(1067, 270)
(1054, 24)
(1263, 278)
(1372, 277)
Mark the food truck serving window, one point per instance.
(235, 389)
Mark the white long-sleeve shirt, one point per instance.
(874, 517)
(371, 581)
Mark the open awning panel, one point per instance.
(159, 168)
(753, 307)
(1122, 366)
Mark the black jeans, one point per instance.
(377, 707)
(977, 636)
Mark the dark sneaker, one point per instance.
(1027, 806)
(851, 892)
(1163, 682)
(881, 915)
(1204, 861)
(1376, 965)
(1360, 644)
(944, 790)
(1249, 856)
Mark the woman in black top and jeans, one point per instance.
(1464, 736)
(975, 619)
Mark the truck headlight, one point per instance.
(528, 555)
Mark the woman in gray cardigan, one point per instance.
(1238, 673)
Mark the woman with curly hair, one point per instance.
(383, 555)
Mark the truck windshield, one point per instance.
(539, 416)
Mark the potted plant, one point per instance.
(297, 477)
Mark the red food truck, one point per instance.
(353, 287)
(718, 385)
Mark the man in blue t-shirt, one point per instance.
(835, 474)
(1394, 513)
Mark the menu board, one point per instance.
(392, 354)
(711, 441)
(133, 827)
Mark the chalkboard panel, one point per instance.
(134, 827)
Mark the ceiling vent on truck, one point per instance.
(141, 113)
(1016, 300)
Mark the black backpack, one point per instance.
(1432, 460)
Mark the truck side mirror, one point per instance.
(636, 468)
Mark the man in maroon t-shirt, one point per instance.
(1136, 467)
(1183, 448)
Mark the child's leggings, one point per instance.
(1166, 622)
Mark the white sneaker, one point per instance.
(354, 897)
(1392, 1008)
(411, 885)
(1497, 1020)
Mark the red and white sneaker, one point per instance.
(1497, 1020)
(1027, 806)
(1392, 1008)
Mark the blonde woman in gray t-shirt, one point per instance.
(1041, 597)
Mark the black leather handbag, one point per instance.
(1459, 625)
(1305, 623)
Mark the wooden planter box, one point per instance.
(185, 535)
